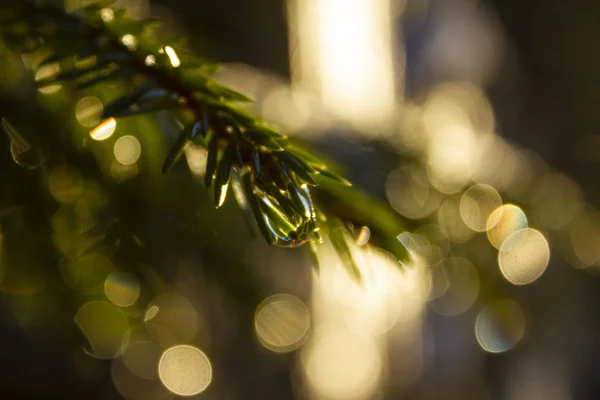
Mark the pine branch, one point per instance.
(292, 193)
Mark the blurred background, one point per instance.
(475, 120)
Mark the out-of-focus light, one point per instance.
(343, 52)
(282, 323)
(451, 222)
(410, 193)
(151, 312)
(177, 321)
(503, 222)
(496, 163)
(185, 370)
(48, 71)
(477, 204)
(173, 59)
(196, 159)
(585, 238)
(65, 184)
(457, 103)
(105, 327)
(466, 43)
(500, 326)
(454, 116)
(455, 286)
(132, 386)
(107, 15)
(385, 295)
(88, 111)
(122, 288)
(524, 256)
(141, 357)
(121, 173)
(410, 123)
(435, 245)
(341, 365)
(150, 60)
(287, 108)
(104, 130)
(363, 236)
(127, 150)
(81, 273)
(129, 41)
(450, 158)
(342, 359)
(557, 200)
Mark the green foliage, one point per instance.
(285, 185)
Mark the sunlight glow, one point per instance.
(344, 54)
(342, 366)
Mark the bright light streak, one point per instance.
(345, 56)
(172, 56)
(104, 130)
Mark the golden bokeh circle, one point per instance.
(503, 222)
(122, 288)
(282, 323)
(185, 370)
(524, 256)
(477, 204)
(127, 150)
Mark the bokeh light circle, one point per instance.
(282, 323)
(185, 370)
(410, 193)
(503, 222)
(104, 130)
(476, 205)
(106, 328)
(127, 150)
(122, 288)
(524, 256)
(500, 326)
(455, 286)
(89, 111)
